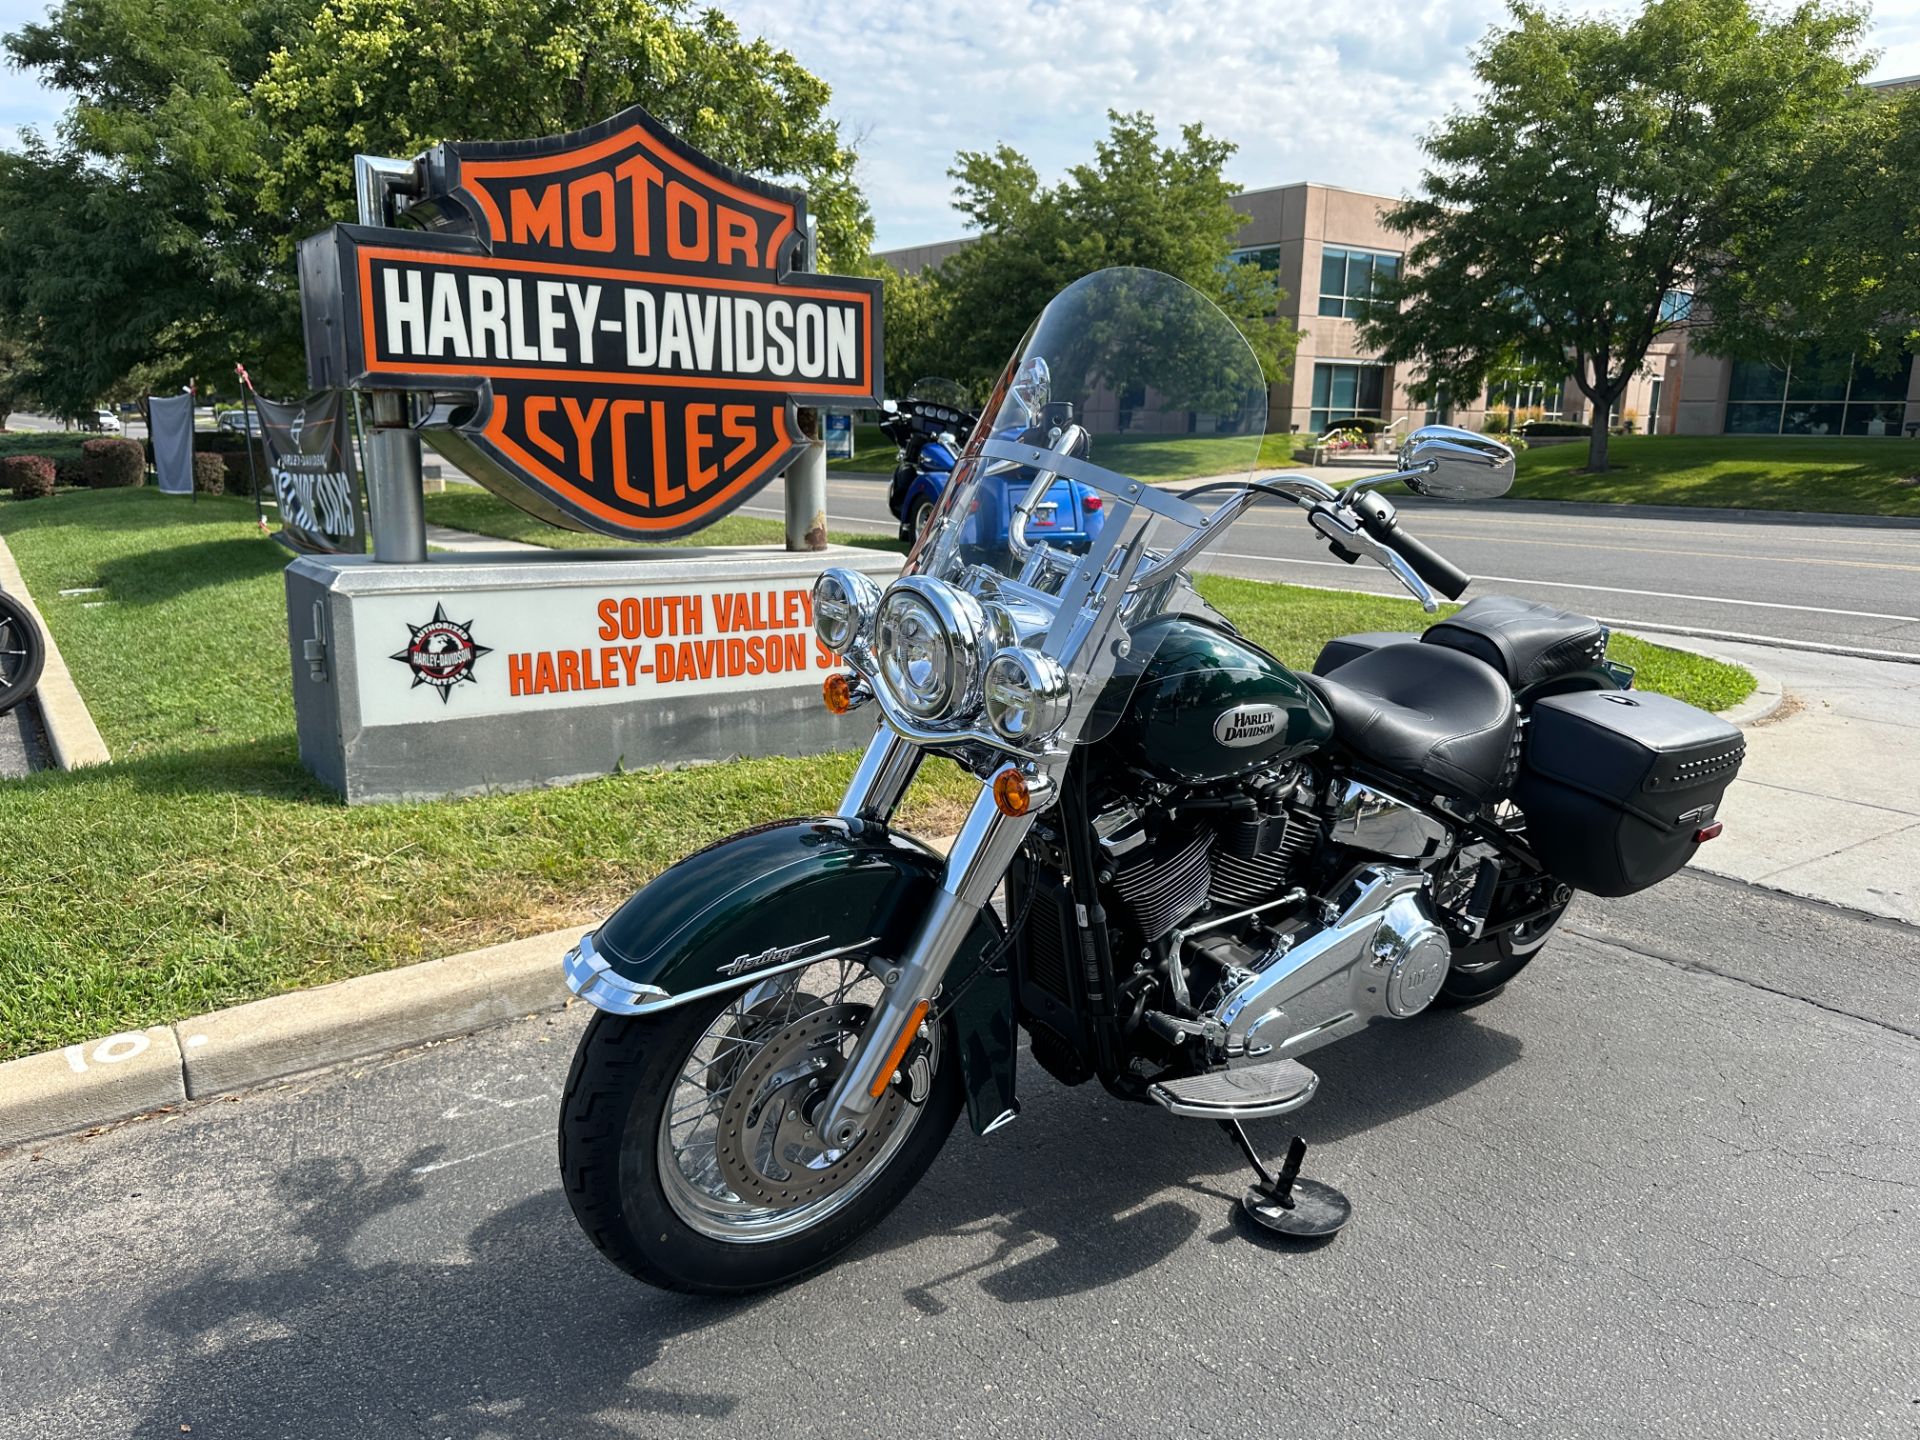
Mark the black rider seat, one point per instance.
(1525, 641)
(1428, 713)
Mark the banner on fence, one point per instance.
(310, 462)
(172, 419)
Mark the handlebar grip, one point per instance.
(1431, 566)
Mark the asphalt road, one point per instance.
(1668, 1185)
(23, 741)
(1853, 588)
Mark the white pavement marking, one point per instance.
(479, 1154)
(1605, 590)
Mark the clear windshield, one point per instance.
(1067, 494)
(940, 391)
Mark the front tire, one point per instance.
(922, 518)
(23, 653)
(618, 1138)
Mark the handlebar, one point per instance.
(1379, 520)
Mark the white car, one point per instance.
(107, 423)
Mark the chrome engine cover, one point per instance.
(1415, 953)
(1380, 955)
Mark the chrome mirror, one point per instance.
(1449, 463)
(1033, 387)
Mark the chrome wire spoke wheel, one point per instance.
(735, 1149)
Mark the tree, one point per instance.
(1608, 161)
(1139, 203)
(207, 137)
(1835, 265)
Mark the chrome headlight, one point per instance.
(927, 644)
(843, 605)
(1026, 695)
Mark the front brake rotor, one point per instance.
(765, 1145)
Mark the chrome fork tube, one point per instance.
(885, 771)
(979, 859)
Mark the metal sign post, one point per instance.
(396, 504)
(806, 488)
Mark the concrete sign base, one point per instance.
(483, 672)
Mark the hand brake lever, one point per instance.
(1342, 530)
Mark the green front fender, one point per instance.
(779, 897)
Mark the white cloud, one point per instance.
(1337, 91)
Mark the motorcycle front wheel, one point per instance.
(685, 1149)
(23, 653)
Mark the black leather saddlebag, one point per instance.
(1616, 784)
(1343, 648)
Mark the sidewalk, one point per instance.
(1828, 802)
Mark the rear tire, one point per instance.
(922, 518)
(627, 1070)
(23, 653)
(1483, 969)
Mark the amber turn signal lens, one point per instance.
(1010, 793)
(885, 1077)
(837, 691)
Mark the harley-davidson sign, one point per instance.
(619, 319)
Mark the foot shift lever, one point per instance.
(1284, 1203)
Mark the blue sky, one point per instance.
(1336, 91)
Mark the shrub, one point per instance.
(1496, 423)
(1545, 429)
(209, 473)
(69, 470)
(30, 477)
(112, 464)
(1365, 424)
(239, 476)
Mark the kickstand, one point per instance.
(1283, 1202)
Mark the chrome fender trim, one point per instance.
(590, 977)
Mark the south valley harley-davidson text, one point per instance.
(1210, 864)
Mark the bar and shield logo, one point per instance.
(612, 325)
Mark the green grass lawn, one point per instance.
(1879, 476)
(205, 867)
(873, 453)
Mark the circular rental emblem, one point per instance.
(442, 652)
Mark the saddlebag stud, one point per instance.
(1285, 1203)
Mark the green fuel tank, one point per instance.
(1209, 706)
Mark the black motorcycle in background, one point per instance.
(1210, 865)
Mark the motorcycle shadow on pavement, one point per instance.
(525, 1330)
(1100, 1182)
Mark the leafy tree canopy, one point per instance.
(207, 137)
(1836, 263)
(1608, 160)
(1138, 203)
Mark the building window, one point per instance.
(1342, 392)
(1523, 397)
(1349, 279)
(1676, 306)
(1262, 257)
(1813, 397)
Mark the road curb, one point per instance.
(63, 1091)
(74, 738)
(1628, 510)
(81, 1086)
(1762, 704)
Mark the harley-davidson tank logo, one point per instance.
(1246, 725)
(442, 652)
(624, 312)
